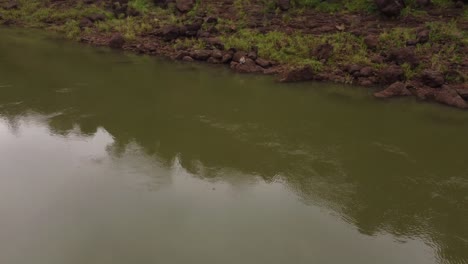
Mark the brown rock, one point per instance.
(238, 56)
(187, 59)
(390, 8)
(323, 52)
(305, 73)
(371, 42)
(403, 55)
(391, 74)
(249, 66)
(185, 5)
(284, 4)
(450, 97)
(116, 41)
(201, 54)
(396, 89)
(227, 57)
(263, 63)
(432, 78)
(423, 36)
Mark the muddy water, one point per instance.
(108, 157)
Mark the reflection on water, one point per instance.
(110, 162)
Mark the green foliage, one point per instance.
(446, 31)
(396, 38)
(72, 29)
(142, 6)
(338, 5)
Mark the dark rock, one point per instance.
(12, 4)
(391, 74)
(215, 43)
(423, 3)
(85, 22)
(211, 20)
(403, 55)
(432, 78)
(201, 54)
(214, 60)
(459, 4)
(423, 36)
(252, 55)
(284, 4)
(323, 52)
(377, 59)
(238, 56)
(96, 17)
(227, 57)
(187, 59)
(263, 63)
(396, 89)
(185, 5)
(305, 73)
(353, 68)
(116, 41)
(217, 54)
(170, 32)
(366, 71)
(391, 8)
(371, 42)
(450, 97)
(247, 66)
(463, 93)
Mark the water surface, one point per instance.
(108, 157)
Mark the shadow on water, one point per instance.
(395, 167)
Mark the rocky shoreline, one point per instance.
(350, 47)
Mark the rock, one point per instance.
(263, 63)
(238, 55)
(432, 78)
(249, 66)
(96, 17)
(201, 54)
(323, 52)
(214, 60)
(252, 55)
(211, 20)
(377, 59)
(353, 68)
(423, 3)
(396, 89)
(12, 4)
(170, 32)
(450, 97)
(116, 41)
(227, 57)
(366, 71)
(185, 5)
(459, 4)
(423, 36)
(187, 59)
(403, 55)
(371, 42)
(391, 8)
(391, 74)
(305, 73)
(284, 4)
(463, 93)
(215, 43)
(85, 22)
(217, 54)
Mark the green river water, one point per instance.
(114, 158)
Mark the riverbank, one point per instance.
(418, 50)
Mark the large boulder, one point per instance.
(394, 90)
(403, 55)
(391, 74)
(305, 73)
(246, 65)
(432, 78)
(284, 4)
(116, 41)
(390, 8)
(450, 97)
(185, 5)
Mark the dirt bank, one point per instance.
(416, 49)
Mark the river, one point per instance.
(109, 157)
